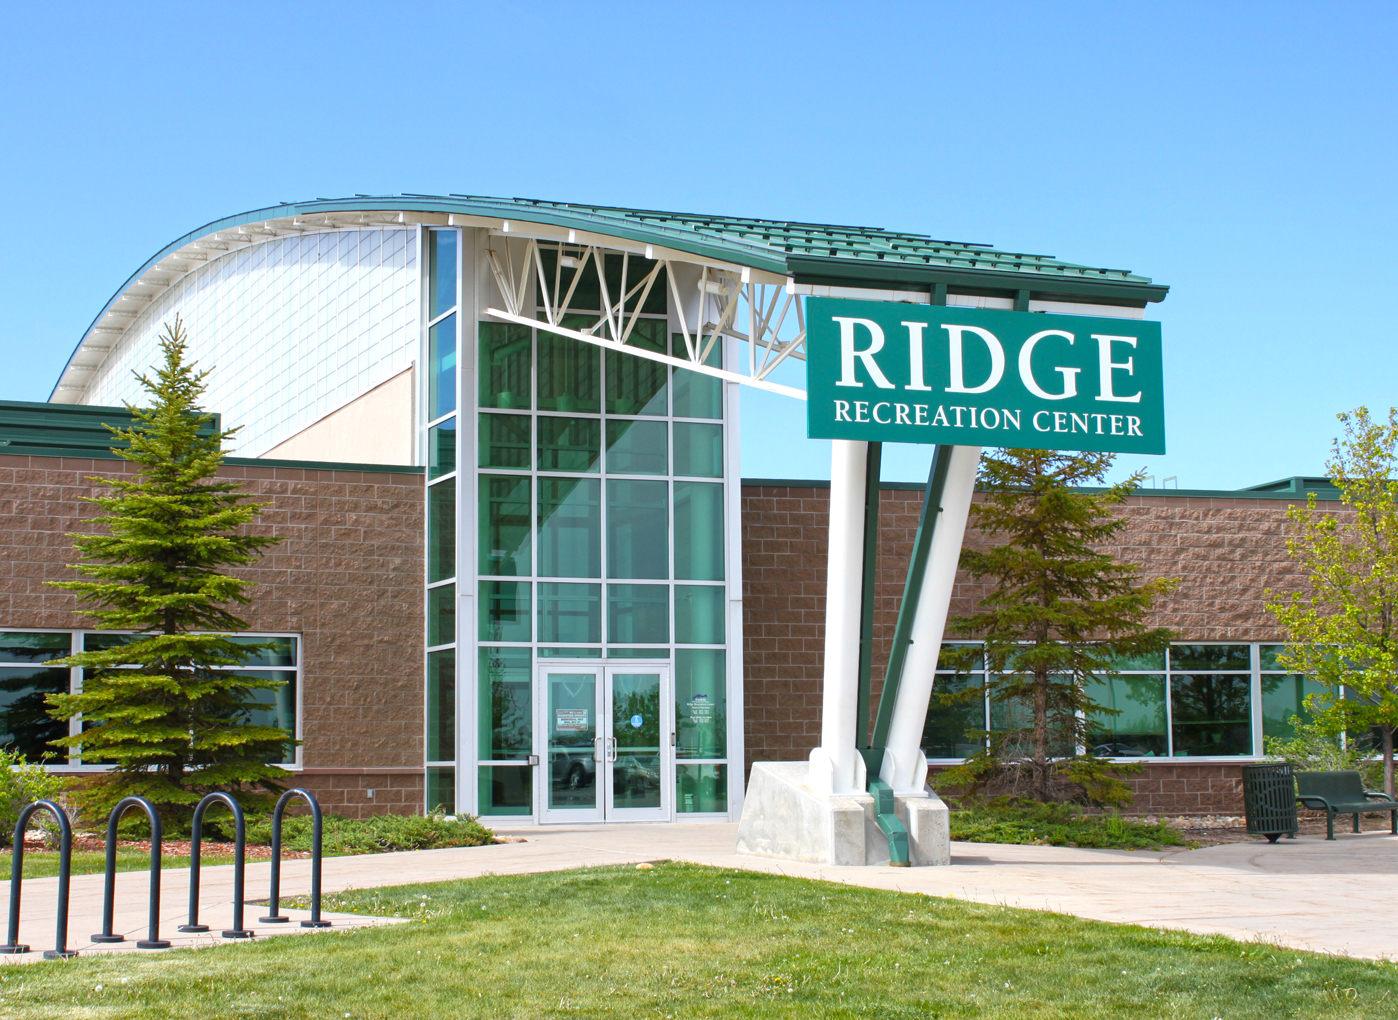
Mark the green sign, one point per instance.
(902, 373)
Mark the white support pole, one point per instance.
(836, 766)
(904, 765)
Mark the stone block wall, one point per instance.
(1225, 551)
(347, 578)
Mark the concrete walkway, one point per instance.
(1307, 893)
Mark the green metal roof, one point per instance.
(64, 430)
(818, 254)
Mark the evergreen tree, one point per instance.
(1059, 613)
(171, 725)
(1343, 628)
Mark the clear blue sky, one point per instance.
(1242, 153)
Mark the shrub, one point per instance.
(373, 835)
(1313, 749)
(22, 782)
(1021, 820)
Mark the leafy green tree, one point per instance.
(154, 707)
(1059, 612)
(1342, 628)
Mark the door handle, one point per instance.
(597, 754)
(611, 749)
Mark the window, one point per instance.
(25, 681)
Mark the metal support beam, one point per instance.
(922, 617)
(872, 464)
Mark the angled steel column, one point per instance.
(923, 617)
(836, 766)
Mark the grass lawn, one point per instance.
(685, 941)
(44, 863)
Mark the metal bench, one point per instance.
(1342, 793)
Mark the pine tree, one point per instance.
(171, 725)
(1059, 613)
(1343, 627)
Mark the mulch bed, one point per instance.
(90, 841)
(1216, 830)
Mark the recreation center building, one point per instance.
(521, 574)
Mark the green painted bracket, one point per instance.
(887, 817)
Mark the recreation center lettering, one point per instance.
(890, 372)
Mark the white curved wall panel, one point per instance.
(292, 329)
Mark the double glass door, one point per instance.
(608, 743)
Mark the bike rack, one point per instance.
(240, 829)
(274, 894)
(153, 939)
(60, 950)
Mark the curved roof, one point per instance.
(806, 253)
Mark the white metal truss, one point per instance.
(716, 301)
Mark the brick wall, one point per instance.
(1225, 551)
(347, 577)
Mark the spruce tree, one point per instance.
(1059, 612)
(171, 726)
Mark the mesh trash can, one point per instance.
(1269, 799)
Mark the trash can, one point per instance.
(1269, 799)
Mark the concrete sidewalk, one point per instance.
(1334, 897)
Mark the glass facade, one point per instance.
(26, 726)
(594, 486)
(1197, 700)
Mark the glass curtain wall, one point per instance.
(1198, 700)
(441, 383)
(600, 479)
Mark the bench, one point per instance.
(1342, 793)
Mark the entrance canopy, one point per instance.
(728, 276)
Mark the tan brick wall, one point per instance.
(1225, 551)
(347, 577)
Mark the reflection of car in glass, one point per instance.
(1119, 751)
(636, 773)
(572, 767)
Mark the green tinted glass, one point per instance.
(698, 449)
(960, 657)
(636, 447)
(637, 529)
(1137, 730)
(638, 614)
(699, 614)
(441, 531)
(955, 717)
(267, 651)
(572, 279)
(441, 706)
(505, 525)
(441, 615)
(504, 441)
(697, 395)
(441, 789)
(701, 788)
(570, 527)
(19, 646)
(1142, 662)
(570, 653)
(699, 531)
(506, 712)
(569, 373)
(637, 385)
(505, 365)
(506, 790)
(441, 449)
(1284, 697)
(569, 444)
(570, 612)
(25, 723)
(1271, 656)
(1212, 715)
(1210, 657)
(441, 261)
(275, 707)
(504, 611)
(701, 703)
(441, 360)
(613, 652)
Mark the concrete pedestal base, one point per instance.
(785, 816)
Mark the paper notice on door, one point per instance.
(701, 710)
(570, 720)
